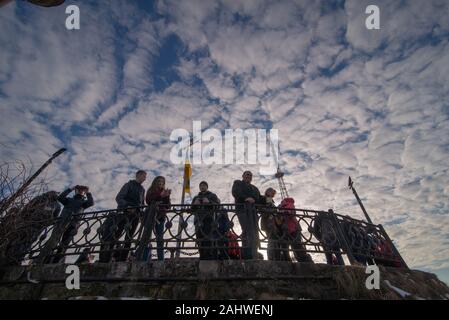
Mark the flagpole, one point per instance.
(181, 216)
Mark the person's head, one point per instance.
(270, 192)
(203, 186)
(81, 190)
(247, 176)
(158, 183)
(141, 176)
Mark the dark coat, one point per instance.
(132, 194)
(242, 190)
(323, 230)
(76, 204)
(155, 196)
(212, 197)
(204, 213)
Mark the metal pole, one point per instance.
(181, 217)
(350, 184)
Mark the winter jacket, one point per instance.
(323, 230)
(268, 221)
(242, 190)
(155, 196)
(289, 215)
(76, 204)
(212, 197)
(204, 213)
(132, 194)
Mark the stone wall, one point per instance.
(230, 279)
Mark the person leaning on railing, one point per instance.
(130, 196)
(202, 207)
(271, 224)
(246, 193)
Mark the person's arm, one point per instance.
(89, 202)
(142, 197)
(257, 197)
(148, 197)
(166, 200)
(120, 198)
(63, 196)
(213, 199)
(237, 191)
(194, 199)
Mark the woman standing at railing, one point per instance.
(159, 195)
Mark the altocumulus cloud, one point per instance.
(346, 101)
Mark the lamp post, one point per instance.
(351, 186)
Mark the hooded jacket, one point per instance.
(289, 215)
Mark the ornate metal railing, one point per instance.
(226, 231)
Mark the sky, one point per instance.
(346, 101)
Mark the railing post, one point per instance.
(149, 221)
(58, 231)
(253, 242)
(341, 236)
(395, 251)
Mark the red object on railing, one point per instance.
(234, 251)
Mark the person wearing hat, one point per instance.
(203, 208)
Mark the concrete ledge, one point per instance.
(228, 279)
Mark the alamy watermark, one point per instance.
(73, 280)
(373, 280)
(235, 146)
(372, 22)
(72, 22)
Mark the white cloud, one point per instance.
(341, 106)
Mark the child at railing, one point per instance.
(292, 233)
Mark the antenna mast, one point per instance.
(279, 174)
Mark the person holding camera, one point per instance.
(157, 194)
(204, 221)
(73, 207)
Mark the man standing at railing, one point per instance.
(130, 196)
(72, 207)
(246, 195)
(202, 205)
